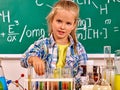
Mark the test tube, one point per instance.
(29, 78)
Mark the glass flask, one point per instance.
(101, 83)
(117, 70)
(3, 84)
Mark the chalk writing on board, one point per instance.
(32, 33)
(24, 21)
(12, 33)
(116, 29)
(38, 3)
(85, 24)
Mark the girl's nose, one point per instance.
(63, 26)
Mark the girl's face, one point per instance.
(63, 23)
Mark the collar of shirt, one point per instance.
(53, 41)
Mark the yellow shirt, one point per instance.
(62, 49)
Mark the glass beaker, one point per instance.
(102, 84)
(117, 70)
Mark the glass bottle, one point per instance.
(109, 76)
(109, 73)
(95, 73)
(3, 84)
(102, 84)
(117, 70)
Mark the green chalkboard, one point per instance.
(23, 21)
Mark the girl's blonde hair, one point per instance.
(65, 5)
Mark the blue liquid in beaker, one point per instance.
(3, 84)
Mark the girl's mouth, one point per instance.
(61, 32)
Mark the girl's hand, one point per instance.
(38, 64)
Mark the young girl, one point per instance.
(61, 49)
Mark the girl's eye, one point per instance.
(59, 21)
(68, 23)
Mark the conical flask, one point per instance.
(3, 84)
